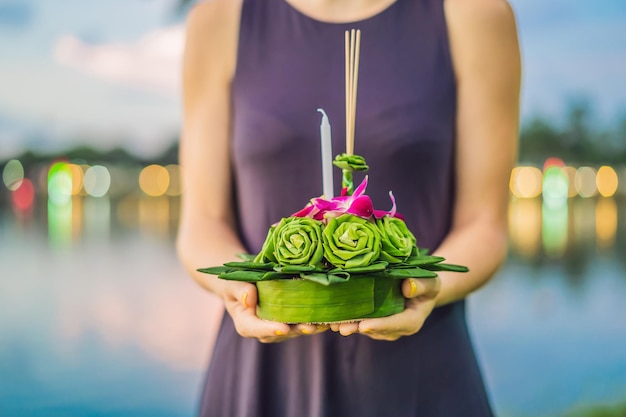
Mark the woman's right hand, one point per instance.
(240, 300)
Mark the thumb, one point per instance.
(248, 297)
(411, 288)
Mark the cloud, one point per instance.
(152, 62)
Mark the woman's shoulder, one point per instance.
(476, 13)
(215, 11)
(480, 28)
(212, 30)
(214, 17)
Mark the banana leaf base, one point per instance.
(302, 301)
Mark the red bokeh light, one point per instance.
(553, 161)
(24, 196)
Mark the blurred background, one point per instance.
(98, 318)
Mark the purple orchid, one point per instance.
(357, 204)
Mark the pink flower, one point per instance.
(358, 204)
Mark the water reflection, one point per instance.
(109, 325)
(115, 313)
(606, 223)
(61, 222)
(525, 227)
(562, 230)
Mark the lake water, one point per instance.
(98, 318)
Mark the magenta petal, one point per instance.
(361, 188)
(307, 211)
(323, 204)
(379, 214)
(320, 215)
(392, 212)
(361, 206)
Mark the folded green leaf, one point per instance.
(401, 273)
(375, 267)
(294, 241)
(351, 242)
(388, 298)
(248, 276)
(326, 279)
(397, 240)
(295, 269)
(275, 275)
(251, 265)
(350, 162)
(446, 267)
(319, 278)
(246, 257)
(338, 277)
(424, 260)
(215, 270)
(305, 301)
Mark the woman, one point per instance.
(437, 121)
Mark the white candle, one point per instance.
(327, 156)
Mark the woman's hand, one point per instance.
(421, 297)
(240, 299)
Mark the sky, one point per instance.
(107, 72)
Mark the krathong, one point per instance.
(338, 259)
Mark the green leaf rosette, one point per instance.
(397, 240)
(351, 242)
(294, 241)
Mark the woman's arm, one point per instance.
(485, 52)
(487, 61)
(206, 235)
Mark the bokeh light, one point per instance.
(553, 161)
(555, 186)
(24, 196)
(554, 229)
(525, 227)
(606, 181)
(174, 188)
(60, 223)
(154, 180)
(154, 216)
(526, 182)
(606, 222)
(77, 178)
(571, 177)
(97, 181)
(585, 182)
(13, 174)
(59, 183)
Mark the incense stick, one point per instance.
(348, 84)
(352, 46)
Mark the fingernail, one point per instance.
(413, 292)
(306, 331)
(244, 298)
(279, 333)
(366, 331)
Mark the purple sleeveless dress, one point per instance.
(288, 66)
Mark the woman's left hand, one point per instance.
(421, 297)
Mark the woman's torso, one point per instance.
(288, 65)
